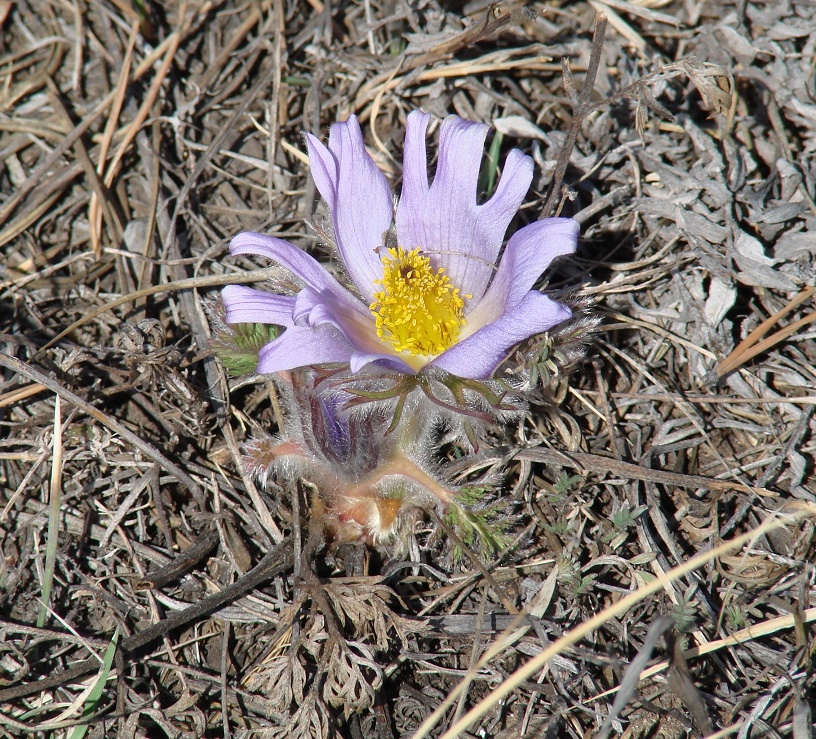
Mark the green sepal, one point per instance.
(237, 346)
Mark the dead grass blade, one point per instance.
(94, 215)
(585, 461)
(631, 677)
(620, 25)
(774, 522)
(751, 345)
(144, 109)
(21, 368)
(191, 283)
(756, 631)
(99, 191)
(582, 105)
(803, 719)
(21, 393)
(682, 685)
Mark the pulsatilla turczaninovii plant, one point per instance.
(419, 343)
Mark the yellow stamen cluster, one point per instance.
(418, 310)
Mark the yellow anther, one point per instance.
(418, 310)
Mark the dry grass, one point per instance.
(670, 475)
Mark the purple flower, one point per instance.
(435, 297)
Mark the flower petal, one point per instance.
(353, 320)
(303, 266)
(445, 218)
(297, 261)
(357, 327)
(245, 305)
(528, 253)
(492, 220)
(301, 346)
(389, 361)
(439, 219)
(478, 356)
(323, 167)
(410, 211)
(323, 302)
(358, 197)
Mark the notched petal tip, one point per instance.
(324, 168)
(455, 126)
(515, 180)
(350, 127)
(417, 118)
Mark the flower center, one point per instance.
(418, 310)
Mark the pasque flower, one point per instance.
(426, 288)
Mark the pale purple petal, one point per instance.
(492, 220)
(440, 218)
(245, 305)
(356, 326)
(389, 361)
(354, 320)
(358, 197)
(323, 167)
(410, 211)
(479, 355)
(302, 346)
(317, 332)
(297, 261)
(445, 218)
(528, 253)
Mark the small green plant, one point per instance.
(567, 483)
(583, 585)
(559, 527)
(568, 569)
(684, 612)
(476, 528)
(622, 520)
(563, 486)
(735, 618)
(570, 574)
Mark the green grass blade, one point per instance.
(487, 182)
(53, 516)
(96, 693)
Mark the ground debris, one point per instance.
(136, 140)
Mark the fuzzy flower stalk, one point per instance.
(431, 334)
